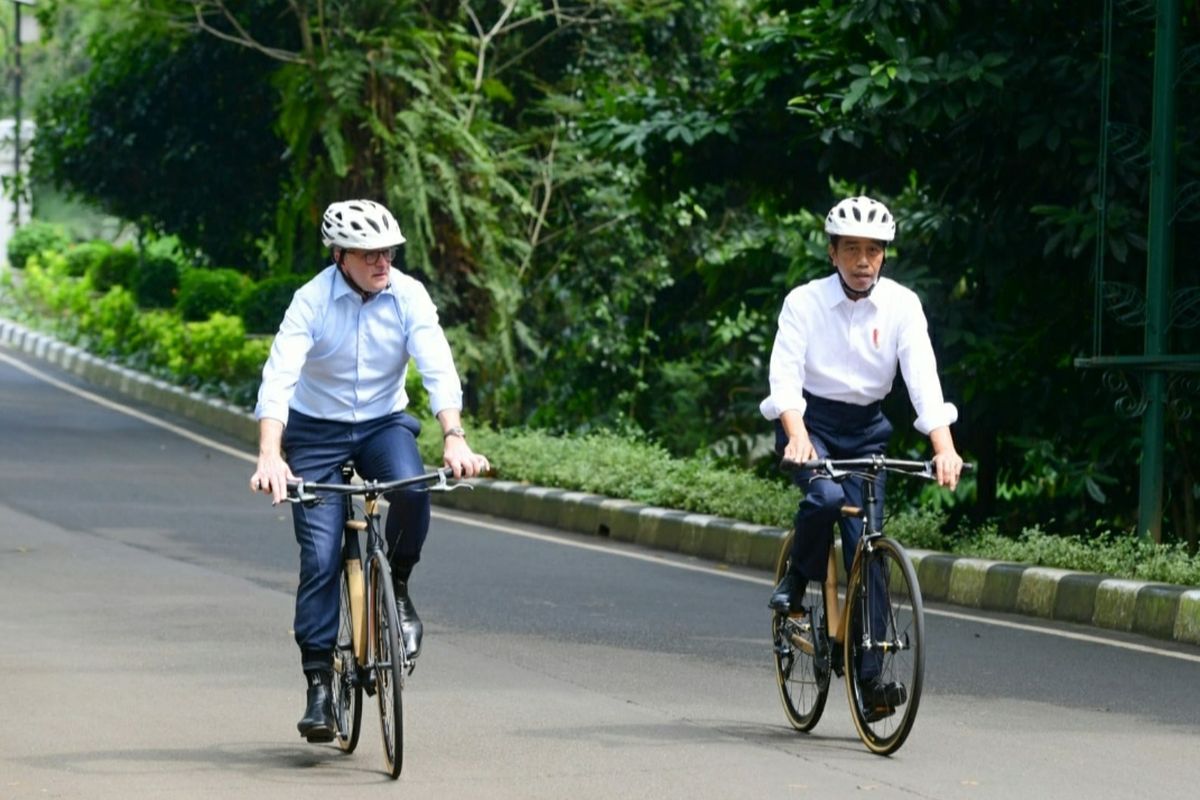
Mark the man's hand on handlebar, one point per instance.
(272, 477)
(462, 461)
(948, 466)
(799, 449)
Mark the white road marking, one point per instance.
(565, 542)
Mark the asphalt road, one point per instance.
(145, 607)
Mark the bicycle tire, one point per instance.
(388, 663)
(900, 645)
(347, 688)
(802, 653)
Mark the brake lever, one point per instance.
(443, 486)
(300, 497)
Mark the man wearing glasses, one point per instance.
(333, 389)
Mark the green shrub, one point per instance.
(922, 529)
(82, 258)
(157, 281)
(262, 303)
(203, 292)
(1121, 556)
(157, 343)
(209, 349)
(34, 237)
(114, 322)
(63, 302)
(117, 267)
(608, 464)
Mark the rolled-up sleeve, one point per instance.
(282, 370)
(430, 350)
(918, 365)
(787, 363)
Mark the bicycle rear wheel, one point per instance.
(388, 664)
(347, 688)
(801, 645)
(886, 648)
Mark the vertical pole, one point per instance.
(1161, 242)
(17, 116)
(1102, 181)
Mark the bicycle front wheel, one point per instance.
(347, 688)
(885, 646)
(801, 644)
(388, 660)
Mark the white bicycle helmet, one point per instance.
(861, 216)
(360, 224)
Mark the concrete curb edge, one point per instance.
(1158, 610)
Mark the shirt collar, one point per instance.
(832, 294)
(342, 287)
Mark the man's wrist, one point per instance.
(456, 430)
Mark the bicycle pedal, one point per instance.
(876, 713)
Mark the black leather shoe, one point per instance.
(410, 624)
(317, 724)
(881, 699)
(789, 594)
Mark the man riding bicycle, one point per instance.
(839, 342)
(333, 390)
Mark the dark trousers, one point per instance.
(837, 430)
(383, 449)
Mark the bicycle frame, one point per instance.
(873, 638)
(362, 626)
(355, 559)
(838, 623)
(369, 657)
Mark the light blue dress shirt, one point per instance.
(339, 358)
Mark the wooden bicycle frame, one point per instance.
(357, 584)
(834, 619)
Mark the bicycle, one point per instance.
(369, 654)
(823, 638)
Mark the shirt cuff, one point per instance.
(939, 417)
(773, 407)
(440, 402)
(272, 411)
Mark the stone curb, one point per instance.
(1159, 610)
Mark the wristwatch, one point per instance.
(455, 431)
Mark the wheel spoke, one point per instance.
(387, 662)
(801, 647)
(884, 654)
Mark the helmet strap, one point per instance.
(340, 261)
(858, 294)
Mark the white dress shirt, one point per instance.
(339, 358)
(839, 349)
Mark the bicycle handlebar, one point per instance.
(302, 491)
(842, 468)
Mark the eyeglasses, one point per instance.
(372, 256)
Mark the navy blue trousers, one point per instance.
(837, 430)
(383, 449)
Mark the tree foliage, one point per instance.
(609, 199)
(165, 130)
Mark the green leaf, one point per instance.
(857, 88)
